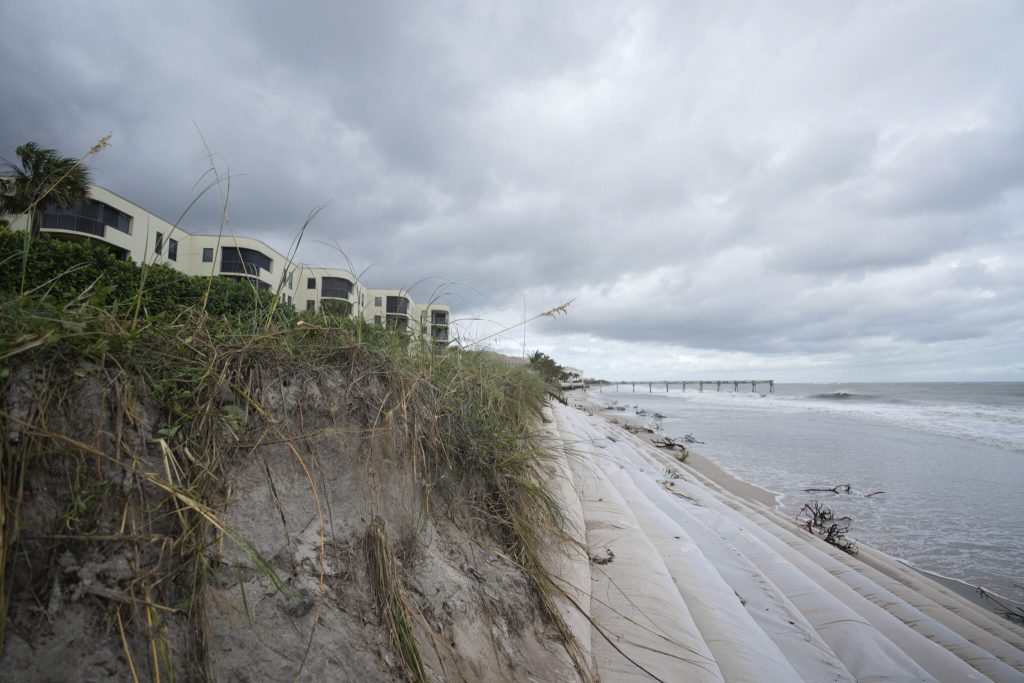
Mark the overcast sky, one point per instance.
(824, 191)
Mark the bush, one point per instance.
(62, 271)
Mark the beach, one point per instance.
(734, 590)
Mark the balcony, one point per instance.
(335, 288)
(89, 217)
(240, 267)
(244, 261)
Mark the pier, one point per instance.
(700, 384)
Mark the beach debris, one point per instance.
(637, 429)
(838, 488)
(605, 559)
(821, 520)
(876, 493)
(690, 438)
(669, 443)
(672, 473)
(1014, 613)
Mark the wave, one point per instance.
(851, 396)
(841, 396)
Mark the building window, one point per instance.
(207, 254)
(376, 301)
(159, 248)
(376, 320)
(311, 305)
(88, 216)
(311, 283)
(335, 287)
(118, 220)
(290, 273)
(248, 261)
(398, 304)
(172, 249)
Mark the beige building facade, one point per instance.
(136, 234)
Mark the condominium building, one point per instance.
(135, 234)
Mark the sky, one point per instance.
(806, 191)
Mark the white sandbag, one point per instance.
(770, 609)
(864, 650)
(951, 642)
(937, 660)
(568, 563)
(992, 656)
(646, 627)
(743, 651)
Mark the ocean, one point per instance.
(948, 456)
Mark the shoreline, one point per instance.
(701, 463)
(707, 468)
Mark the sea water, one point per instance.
(949, 458)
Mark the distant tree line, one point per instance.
(545, 366)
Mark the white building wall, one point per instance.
(140, 245)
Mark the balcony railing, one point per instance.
(69, 221)
(239, 267)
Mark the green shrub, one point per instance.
(64, 271)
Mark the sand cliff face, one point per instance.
(106, 582)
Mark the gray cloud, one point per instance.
(833, 188)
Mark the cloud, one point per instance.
(758, 186)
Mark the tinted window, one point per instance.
(239, 260)
(336, 287)
(207, 254)
(172, 249)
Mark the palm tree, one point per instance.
(43, 175)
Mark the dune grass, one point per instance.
(148, 476)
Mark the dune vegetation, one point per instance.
(145, 410)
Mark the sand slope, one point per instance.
(688, 581)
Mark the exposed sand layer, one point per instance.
(685, 573)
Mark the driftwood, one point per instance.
(1010, 612)
(689, 438)
(669, 443)
(820, 520)
(838, 488)
(842, 488)
(635, 429)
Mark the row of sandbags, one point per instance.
(665, 578)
